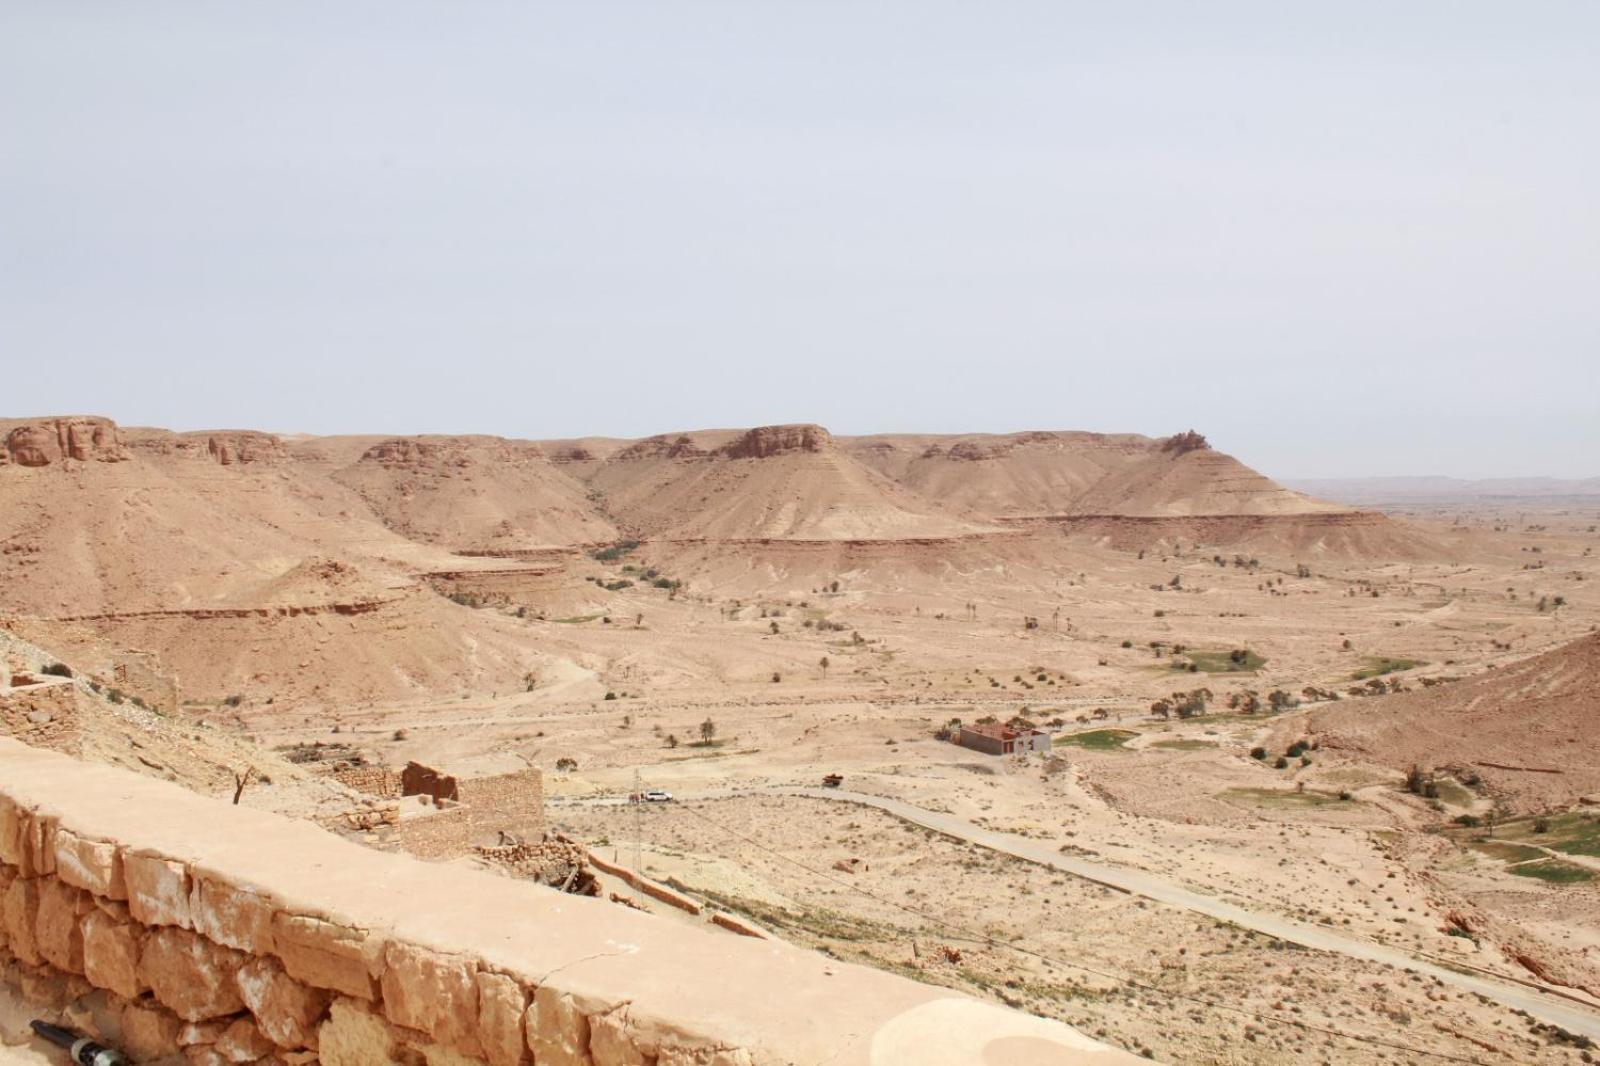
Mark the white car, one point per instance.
(658, 795)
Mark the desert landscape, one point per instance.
(1316, 781)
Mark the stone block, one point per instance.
(612, 1044)
(92, 865)
(434, 993)
(111, 953)
(158, 890)
(206, 1032)
(18, 910)
(326, 954)
(287, 1011)
(243, 1042)
(149, 1032)
(232, 916)
(58, 924)
(502, 1003)
(20, 839)
(11, 852)
(558, 1031)
(354, 1036)
(190, 975)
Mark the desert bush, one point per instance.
(58, 670)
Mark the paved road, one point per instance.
(1547, 1007)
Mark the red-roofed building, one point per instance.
(992, 738)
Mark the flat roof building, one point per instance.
(992, 738)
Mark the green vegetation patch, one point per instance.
(1226, 661)
(1506, 851)
(1575, 833)
(614, 552)
(1097, 739)
(1554, 871)
(1278, 797)
(1378, 665)
(577, 619)
(1185, 745)
(1453, 792)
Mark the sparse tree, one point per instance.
(241, 780)
(708, 729)
(823, 662)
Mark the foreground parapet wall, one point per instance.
(249, 937)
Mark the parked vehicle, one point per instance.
(658, 795)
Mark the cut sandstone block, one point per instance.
(21, 837)
(17, 913)
(92, 865)
(243, 1042)
(158, 890)
(149, 1031)
(57, 925)
(327, 955)
(111, 954)
(231, 916)
(11, 851)
(502, 1002)
(190, 975)
(558, 1031)
(437, 994)
(287, 1011)
(354, 1036)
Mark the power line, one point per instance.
(981, 938)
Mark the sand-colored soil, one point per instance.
(826, 605)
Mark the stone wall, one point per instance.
(243, 936)
(439, 834)
(43, 714)
(139, 673)
(379, 781)
(511, 802)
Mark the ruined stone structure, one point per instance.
(139, 673)
(42, 712)
(510, 802)
(379, 781)
(240, 936)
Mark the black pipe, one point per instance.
(55, 1034)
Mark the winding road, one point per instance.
(1548, 1005)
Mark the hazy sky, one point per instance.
(1340, 238)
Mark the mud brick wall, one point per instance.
(44, 715)
(235, 935)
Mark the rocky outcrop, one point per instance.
(245, 447)
(228, 934)
(1187, 441)
(666, 446)
(766, 441)
(46, 442)
(426, 452)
